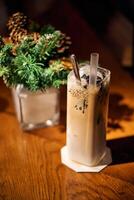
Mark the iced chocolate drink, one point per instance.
(87, 116)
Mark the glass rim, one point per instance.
(82, 65)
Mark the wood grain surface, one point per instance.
(30, 164)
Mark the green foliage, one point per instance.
(6, 55)
(1, 42)
(33, 26)
(28, 63)
(43, 50)
(26, 46)
(3, 71)
(46, 46)
(47, 30)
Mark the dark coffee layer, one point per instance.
(86, 77)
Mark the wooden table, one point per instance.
(30, 164)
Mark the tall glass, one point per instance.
(87, 110)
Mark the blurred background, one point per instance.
(103, 26)
(111, 20)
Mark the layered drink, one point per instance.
(87, 108)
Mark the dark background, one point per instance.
(96, 12)
(101, 16)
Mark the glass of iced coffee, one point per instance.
(87, 109)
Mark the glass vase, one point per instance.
(36, 109)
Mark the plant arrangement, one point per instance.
(34, 56)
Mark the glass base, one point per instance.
(30, 126)
(78, 167)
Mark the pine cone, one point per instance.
(64, 43)
(17, 21)
(17, 26)
(35, 36)
(17, 36)
(67, 63)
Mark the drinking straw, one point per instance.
(94, 58)
(75, 67)
(90, 137)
